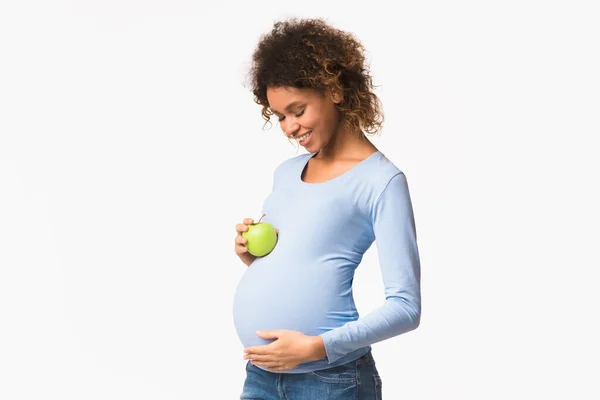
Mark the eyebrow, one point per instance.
(288, 107)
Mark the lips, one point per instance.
(305, 141)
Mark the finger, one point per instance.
(241, 240)
(270, 334)
(259, 350)
(277, 231)
(248, 221)
(240, 249)
(264, 358)
(241, 228)
(268, 364)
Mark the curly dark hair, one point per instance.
(309, 53)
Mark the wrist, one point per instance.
(247, 259)
(318, 348)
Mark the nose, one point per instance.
(289, 127)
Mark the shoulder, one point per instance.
(371, 181)
(291, 163)
(381, 172)
(294, 160)
(289, 167)
(390, 194)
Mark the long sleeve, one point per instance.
(395, 237)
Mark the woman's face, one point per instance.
(303, 112)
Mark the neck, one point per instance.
(346, 144)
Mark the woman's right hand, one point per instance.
(240, 242)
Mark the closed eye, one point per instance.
(297, 115)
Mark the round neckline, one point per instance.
(336, 178)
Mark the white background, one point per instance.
(130, 148)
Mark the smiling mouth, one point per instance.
(304, 137)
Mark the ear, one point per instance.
(337, 96)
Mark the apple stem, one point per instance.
(261, 218)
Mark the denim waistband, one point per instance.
(367, 358)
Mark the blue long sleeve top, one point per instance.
(305, 283)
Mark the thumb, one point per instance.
(268, 334)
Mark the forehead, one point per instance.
(280, 98)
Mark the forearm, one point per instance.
(395, 317)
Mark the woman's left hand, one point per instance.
(290, 349)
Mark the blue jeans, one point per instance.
(355, 380)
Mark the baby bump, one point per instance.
(301, 298)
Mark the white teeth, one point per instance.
(302, 138)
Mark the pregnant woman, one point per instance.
(293, 309)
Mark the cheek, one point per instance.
(310, 121)
(330, 121)
(322, 121)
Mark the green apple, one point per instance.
(261, 238)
